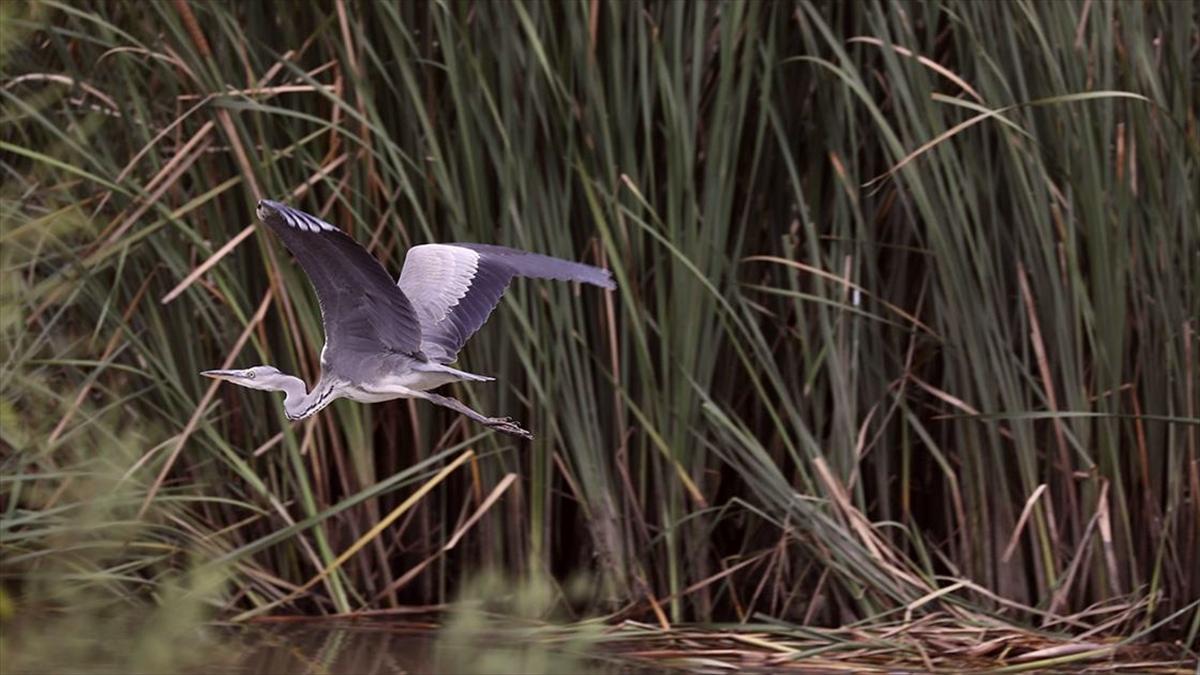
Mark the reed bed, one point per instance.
(905, 337)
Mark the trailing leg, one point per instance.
(505, 425)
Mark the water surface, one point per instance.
(375, 648)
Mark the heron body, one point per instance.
(386, 340)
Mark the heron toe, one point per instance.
(509, 426)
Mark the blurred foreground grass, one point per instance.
(906, 322)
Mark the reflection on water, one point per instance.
(322, 648)
(369, 648)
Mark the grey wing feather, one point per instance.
(363, 311)
(455, 287)
(538, 266)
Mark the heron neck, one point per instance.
(294, 388)
(298, 404)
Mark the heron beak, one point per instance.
(220, 374)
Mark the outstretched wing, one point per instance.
(455, 287)
(363, 312)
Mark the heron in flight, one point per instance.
(385, 339)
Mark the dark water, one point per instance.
(322, 648)
(309, 649)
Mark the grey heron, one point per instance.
(389, 339)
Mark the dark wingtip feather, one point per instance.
(538, 266)
(277, 214)
(604, 280)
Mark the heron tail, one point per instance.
(455, 373)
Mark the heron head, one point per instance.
(266, 378)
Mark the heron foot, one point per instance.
(508, 425)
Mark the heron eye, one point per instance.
(250, 374)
